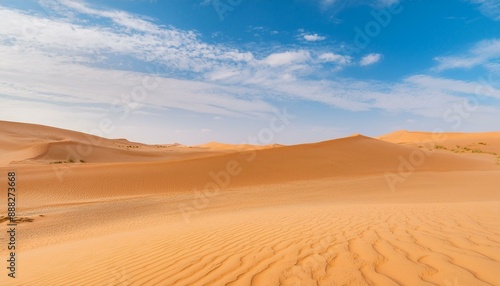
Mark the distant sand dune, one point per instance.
(486, 142)
(35, 144)
(236, 147)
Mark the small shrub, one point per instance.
(440, 147)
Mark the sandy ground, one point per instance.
(404, 209)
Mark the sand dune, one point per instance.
(312, 214)
(23, 143)
(486, 142)
(352, 156)
(405, 136)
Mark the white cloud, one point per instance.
(222, 74)
(423, 95)
(340, 4)
(118, 17)
(490, 8)
(326, 3)
(386, 3)
(286, 58)
(480, 54)
(132, 37)
(455, 86)
(370, 59)
(313, 37)
(335, 58)
(52, 79)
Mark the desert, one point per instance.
(325, 215)
(249, 142)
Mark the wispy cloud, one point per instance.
(490, 8)
(132, 37)
(370, 59)
(480, 54)
(54, 80)
(386, 3)
(335, 58)
(326, 3)
(286, 58)
(454, 86)
(313, 37)
(340, 4)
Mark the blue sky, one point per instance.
(194, 71)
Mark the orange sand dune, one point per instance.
(347, 157)
(351, 211)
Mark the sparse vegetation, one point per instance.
(440, 147)
(128, 146)
(16, 219)
(464, 149)
(68, 161)
(23, 219)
